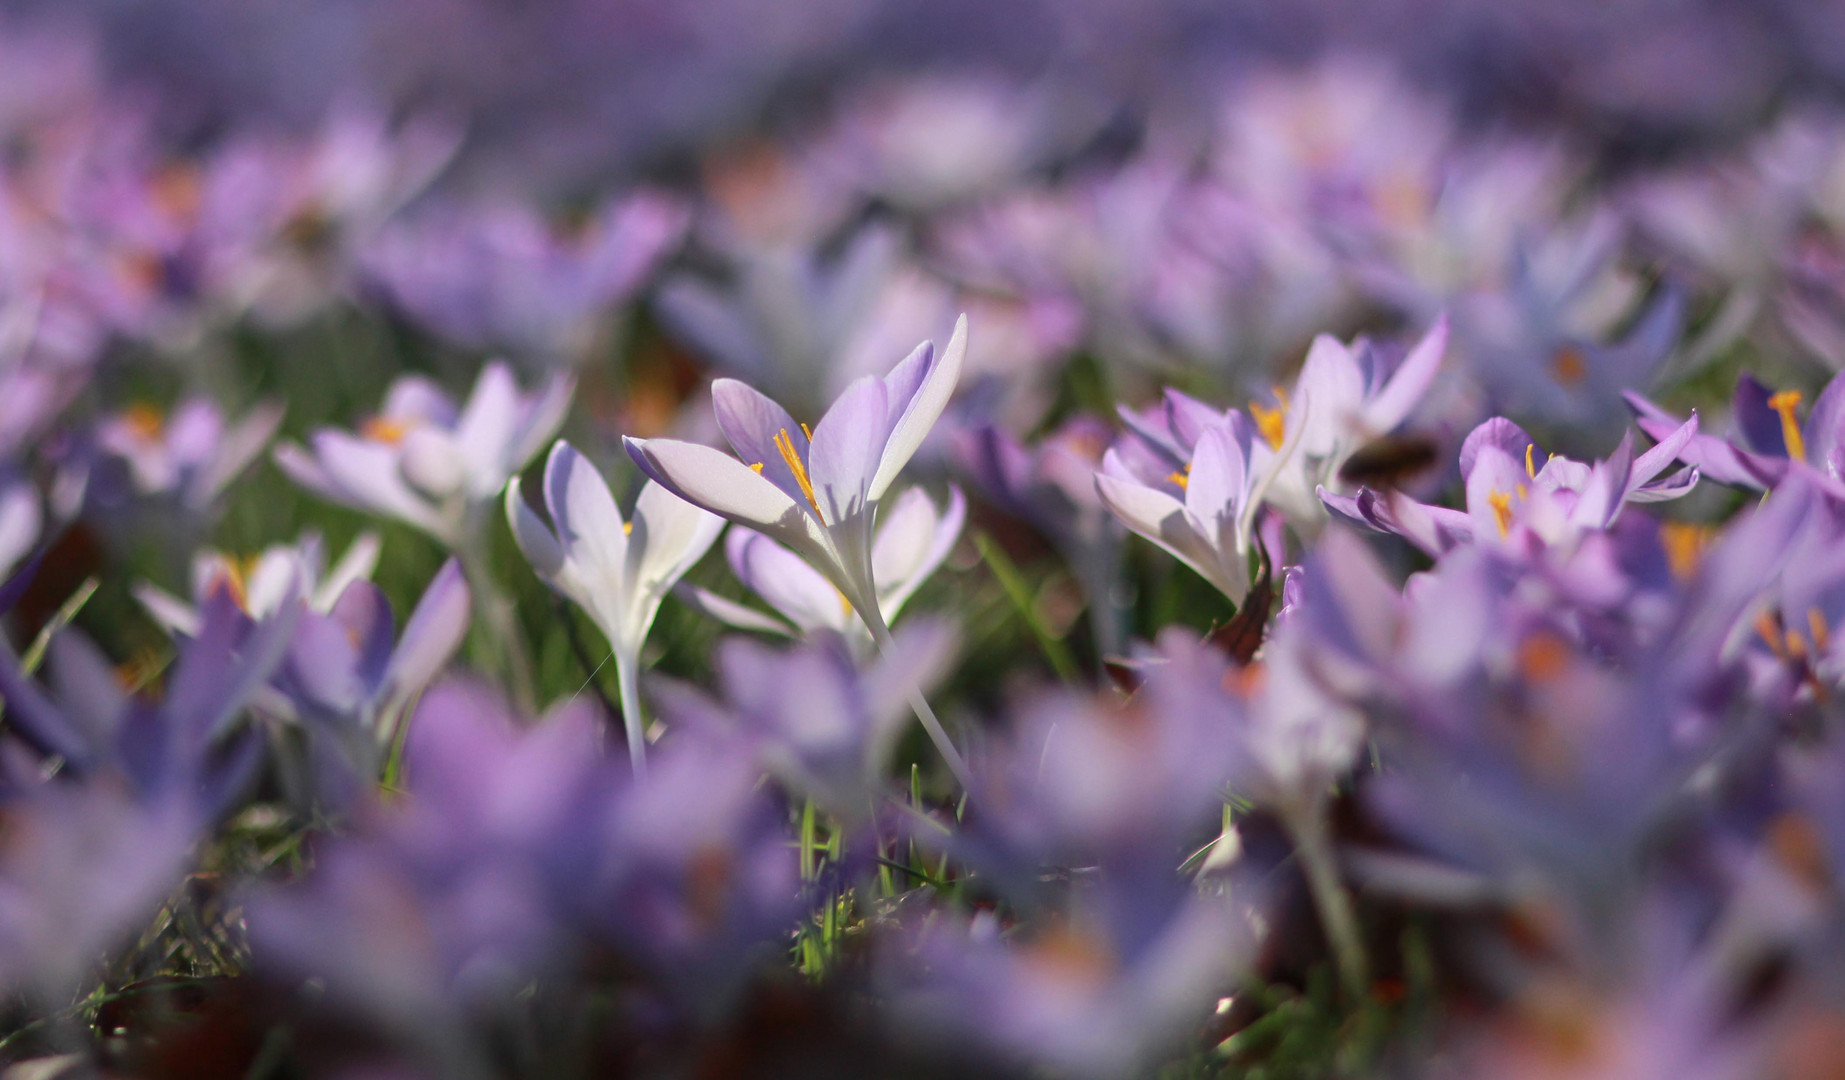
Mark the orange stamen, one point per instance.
(1529, 471)
(1271, 424)
(144, 420)
(1684, 543)
(798, 467)
(385, 430)
(1568, 367)
(1502, 511)
(757, 468)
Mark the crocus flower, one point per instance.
(423, 462)
(191, 455)
(1514, 502)
(1343, 399)
(1193, 484)
(821, 722)
(617, 571)
(1770, 438)
(262, 582)
(912, 541)
(818, 494)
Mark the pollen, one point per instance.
(1270, 423)
(1785, 403)
(144, 420)
(1182, 478)
(1568, 367)
(385, 430)
(798, 467)
(1502, 511)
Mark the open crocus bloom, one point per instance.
(192, 454)
(259, 584)
(1514, 502)
(815, 493)
(617, 571)
(1352, 403)
(1770, 437)
(423, 462)
(912, 541)
(1192, 484)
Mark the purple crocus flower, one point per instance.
(617, 571)
(261, 583)
(498, 276)
(1191, 480)
(1770, 438)
(818, 720)
(423, 462)
(190, 456)
(912, 540)
(99, 848)
(816, 494)
(1513, 502)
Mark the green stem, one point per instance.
(1331, 901)
(499, 621)
(880, 633)
(1006, 572)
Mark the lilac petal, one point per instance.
(670, 535)
(174, 615)
(1218, 485)
(235, 451)
(1825, 429)
(487, 422)
(365, 616)
(22, 519)
(85, 684)
(920, 415)
(1713, 457)
(1188, 418)
(416, 401)
(1332, 382)
(1407, 386)
(584, 516)
(1495, 473)
(33, 717)
(538, 422)
(431, 635)
(794, 589)
(847, 446)
(917, 658)
(323, 662)
(726, 487)
(729, 612)
(1676, 486)
(357, 564)
(1499, 432)
(535, 540)
(1759, 425)
(705, 319)
(1162, 519)
(897, 573)
(904, 380)
(752, 423)
(365, 475)
(1655, 461)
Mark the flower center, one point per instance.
(1271, 424)
(1182, 477)
(385, 430)
(1567, 367)
(795, 465)
(1784, 403)
(144, 421)
(1684, 543)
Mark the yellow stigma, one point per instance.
(757, 468)
(845, 606)
(1502, 511)
(627, 528)
(1785, 403)
(1181, 478)
(1529, 471)
(1271, 424)
(807, 431)
(796, 466)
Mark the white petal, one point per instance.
(670, 535)
(725, 486)
(941, 535)
(360, 559)
(584, 516)
(488, 421)
(1409, 382)
(540, 548)
(1161, 518)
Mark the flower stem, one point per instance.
(880, 633)
(1330, 900)
(627, 680)
(500, 622)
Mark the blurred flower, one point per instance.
(498, 276)
(617, 571)
(260, 584)
(1769, 440)
(823, 722)
(423, 462)
(912, 540)
(190, 456)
